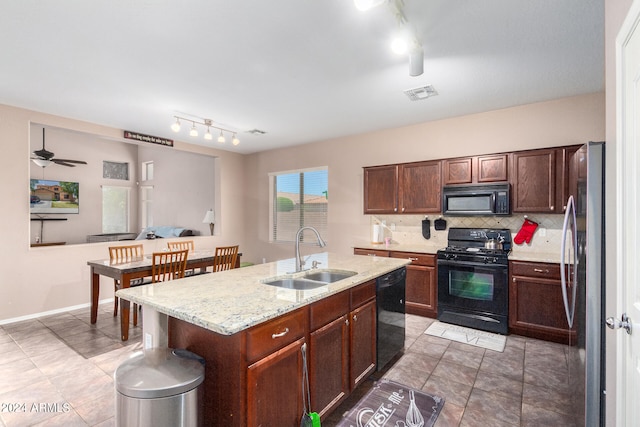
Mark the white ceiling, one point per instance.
(301, 70)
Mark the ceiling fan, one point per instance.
(44, 158)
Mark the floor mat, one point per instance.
(488, 340)
(390, 404)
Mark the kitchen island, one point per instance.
(251, 335)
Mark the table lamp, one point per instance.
(209, 218)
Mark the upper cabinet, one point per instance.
(419, 187)
(381, 189)
(540, 179)
(477, 169)
(405, 188)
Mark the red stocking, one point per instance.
(526, 232)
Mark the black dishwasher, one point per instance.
(390, 294)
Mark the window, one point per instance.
(146, 205)
(299, 199)
(115, 170)
(115, 209)
(147, 171)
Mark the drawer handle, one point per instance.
(413, 259)
(280, 334)
(539, 270)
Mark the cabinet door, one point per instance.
(381, 189)
(420, 187)
(534, 181)
(457, 171)
(535, 302)
(492, 168)
(329, 365)
(362, 343)
(274, 390)
(421, 290)
(571, 164)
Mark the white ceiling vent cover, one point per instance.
(419, 93)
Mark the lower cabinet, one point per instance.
(422, 284)
(536, 308)
(342, 345)
(363, 343)
(271, 378)
(422, 280)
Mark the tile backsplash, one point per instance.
(407, 229)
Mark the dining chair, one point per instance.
(225, 258)
(177, 245)
(124, 254)
(167, 266)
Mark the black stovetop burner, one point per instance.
(469, 244)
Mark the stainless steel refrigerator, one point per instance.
(582, 274)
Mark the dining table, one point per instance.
(127, 269)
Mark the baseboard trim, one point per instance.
(51, 312)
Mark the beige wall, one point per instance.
(36, 280)
(561, 122)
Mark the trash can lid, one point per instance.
(159, 373)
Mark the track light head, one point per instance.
(221, 138)
(235, 140)
(193, 131)
(208, 135)
(176, 126)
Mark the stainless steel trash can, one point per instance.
(159, 388)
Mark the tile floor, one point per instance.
(67, 364)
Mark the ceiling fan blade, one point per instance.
(44, 154)
(80, 162)
(63, 163)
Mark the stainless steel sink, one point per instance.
(329, 276)
(297, 284)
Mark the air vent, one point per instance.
(257, 131)
(420, 93)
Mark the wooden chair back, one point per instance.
(178, 245)
(168, 265)
(126, 252)
(225, 258)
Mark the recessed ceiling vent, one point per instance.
(419, 93)
(257, 131)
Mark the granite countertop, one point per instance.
(518, 253)
(231, 301)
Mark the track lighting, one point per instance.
(208, 123)
(176, 126)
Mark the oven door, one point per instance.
(473, 286)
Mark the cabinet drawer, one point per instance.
(371, 252)
(416, 258)
(328, 309)
(535, 269)
(275, 334)
(363, 293)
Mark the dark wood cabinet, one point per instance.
(362, 357)
(477, 169)
(329, 352)
(533, 180)
(371, 252)
(405, 188)
(536, 308)
(381, 189)
(419, 187)
(570, 167)
(267, 379)
(421, 284)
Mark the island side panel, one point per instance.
(225, 372)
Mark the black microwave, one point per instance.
(476, 199)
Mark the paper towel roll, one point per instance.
(377, 233)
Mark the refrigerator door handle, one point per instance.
(570, 213)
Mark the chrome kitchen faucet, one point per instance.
(322, 243)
